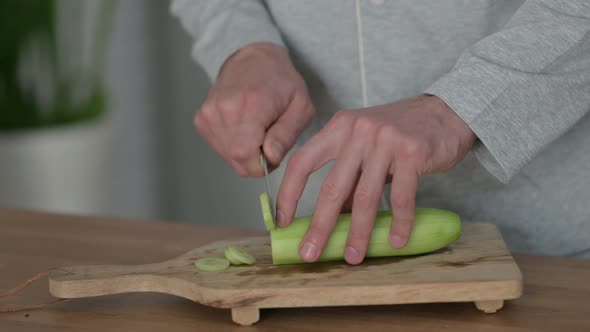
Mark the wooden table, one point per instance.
(556, 291)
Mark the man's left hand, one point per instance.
(398, 141)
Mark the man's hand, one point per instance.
(259, 98)
(400, 141)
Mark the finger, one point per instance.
(403, 201)
(366, 199)
(347, 206)
(282, 135)
(335, 190)
(218, 120)
(207, 123)
(227, 104)
(314, 154)
(244, 145)
(244, 148)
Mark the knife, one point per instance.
(264, 164)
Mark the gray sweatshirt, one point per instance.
(517, 72)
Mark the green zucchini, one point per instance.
(237, 255)
(212, 264)
(433, 229)
(267, 213)
(231, 258)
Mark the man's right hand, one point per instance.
(258, 99)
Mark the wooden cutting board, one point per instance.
(477, 268)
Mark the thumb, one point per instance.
(283, 133)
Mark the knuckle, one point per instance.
(206, 113)
(242, 172)
(331, 191)
(239, 151)
(295, 163)
(223, 104)
(282, 133)
(402, 201)
(228, 104)
(364, 126)
(362, 196)
(251, 95)
(411, 149)
(340, 118)
(386, 135)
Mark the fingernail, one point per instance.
(277, 150)
(352, 255)
(281, 218)
(308, 251)
(397, 241)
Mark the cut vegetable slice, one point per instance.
(232, 260)
(238, 254)
(267, 213)
(433, 229)
(212, 264)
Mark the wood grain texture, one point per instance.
(477, 267)
(556, 290)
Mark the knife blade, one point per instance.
(264, 164)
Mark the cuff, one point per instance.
(471, 92)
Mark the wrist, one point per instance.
(451, 117)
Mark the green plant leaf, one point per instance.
(20, 22)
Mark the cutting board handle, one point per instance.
(97, 280)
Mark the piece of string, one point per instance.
(25, 284)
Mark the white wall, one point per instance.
(134, 94)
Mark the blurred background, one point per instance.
(96, 106)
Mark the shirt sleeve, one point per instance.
(524, 86)
(222, 27)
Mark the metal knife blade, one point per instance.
(264, 164)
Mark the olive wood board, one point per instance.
(476, 268)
